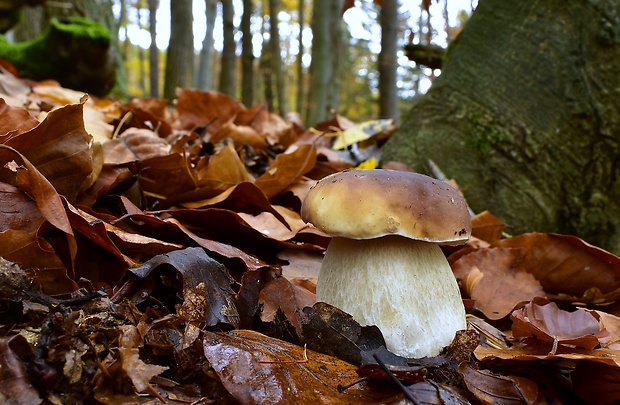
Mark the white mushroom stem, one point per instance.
(403, 286)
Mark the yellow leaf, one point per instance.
(367, 164)
(361, 132)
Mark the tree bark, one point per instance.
(153, 51)
(299, 60)
(336, 50)
(227, 74)
(320, 67)
(205, 61)
(247, 55)
(525, 117)
(276, 56)
(388, 92)
(180, 49)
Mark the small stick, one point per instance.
(404, 389)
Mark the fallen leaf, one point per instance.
(289, 298)
(487, 227)
(555, 326)
(596, 383)
(497, 280)
(257, 369)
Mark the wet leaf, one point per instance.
(14, 381)
(257, 369)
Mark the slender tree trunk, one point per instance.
(321, 66)
(153, 51)
(227, 74)
(31, 24)
(265, 67)
(180, 49)
(525, 117)
(247, 55)
(276, 56)
(336, 46)
(299, 61)
(388, 92)
(202, 78)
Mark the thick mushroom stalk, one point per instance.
(384, 265)
(403, 286)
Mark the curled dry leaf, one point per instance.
(491, 388)
(496, 279)
(569, 267)
(487, 227)
(553, 325)
(134, 144)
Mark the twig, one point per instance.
(400, 385)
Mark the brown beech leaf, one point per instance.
(208, 109)
(496, 279)
(431, 393)
(137, 370)
(134, 144)
(18, 211)
(287, 168)
(596, 383)
(567, 265)
(550, 324)
(169, 175)
(491, 388)
(37, 257)
(240, 134)
(60, 149)
(32, 182)
(14, 121)
(487, 227)
(288, 297)
(15, 385)
(256, 369)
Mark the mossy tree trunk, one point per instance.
(526, 117)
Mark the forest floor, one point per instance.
(156, 254)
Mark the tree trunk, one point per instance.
(336, 49)
(202, 79)
(227, 74)
(247, 55)
(31, 24)
(276, 56)
(153, 51)
(525, 117)
(299, 61)
(388, 92)
(321, 66)
(180, 49)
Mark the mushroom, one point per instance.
(384, 265)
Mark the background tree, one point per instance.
(153, 50)
(247, 55)
(276, 59)
(388, 92)
(524, 117)
(204, 73)
(180, 56)
(299, 59)
(320, 67)
(228, 64)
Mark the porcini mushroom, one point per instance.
(384, 265)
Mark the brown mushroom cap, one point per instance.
(365, 204)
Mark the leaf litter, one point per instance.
(155, 254)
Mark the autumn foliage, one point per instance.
(156, 253)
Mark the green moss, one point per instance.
(484, 134)
(82, 27)
(74, 51)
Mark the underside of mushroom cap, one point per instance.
(364, 204)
